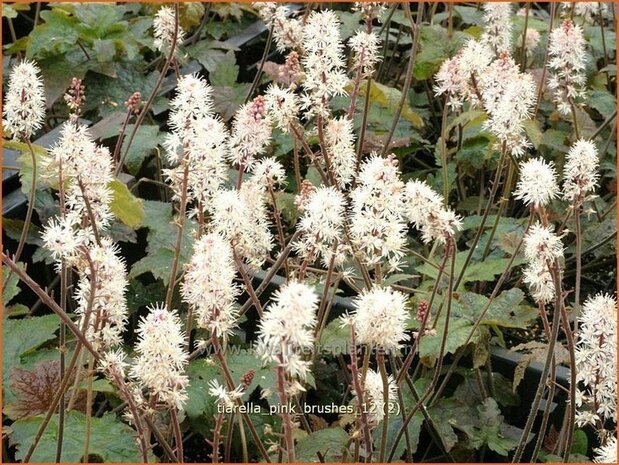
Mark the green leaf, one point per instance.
(532, 23)
(313, 176)
(504, 311)
(389, 98)
(108, 91)
(13, 228)
(593, 36)
(99, 18)
(469, 392)
(264, 376)
(469, 14)
(110, 440)
(56, 35)
(59, 71)
(580, 445)
(457, 334)
(397, 277)
(191, 14)
(226, 72)
(449, 414)
(489, 429)
(200, 402)
(140, 295)
(105, 50)
(475, 271)
(10, 288)
(395, 425)
(157, 262)
(327, 442)
(585, 124)
(287, 206)
(349, 22)
(207, 55)
(20, 45)
(555, 139)
(98, 385)
(573, 458)
(25, 161)
(534, 132)
(602, 101)
(146, 139)
(125, 206)
(229, 98)
(335, 339)
(161, 240)
(472, 117)
(21, 337)
(435, 47)
(9, 10)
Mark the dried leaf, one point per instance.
(535, 351)
(35, 390)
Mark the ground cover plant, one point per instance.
(309, 232)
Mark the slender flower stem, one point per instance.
(82, 342)
(571, 407)
(578, 255)
(90, 213)
(88, 410)
(443, 148)
(297, 167)
(415, 28)
(542, 429)
(64, 273)
(432, 427)
(225, 371)
(271, 273)
(604, 125)
(244, 449)
(380, 358)
(31, 200)
(228, 436)
(179, 237)
(411, 354)
(285, 414)
(121, 135)
(542, 81)
(64, 384)
(364, 125)
(574, 119)
(153, 94)
(502, 203)
(441, 354)
(356, 383)
(523, 55)
(219, 423)
(47, 300)
(321, 316)
(265, 55)
(541, 436)
(545, 371)
(482, 315)
(178, 437)
(278, 223)
(323, 150)
(65, 381)
(309, 153)
(248, 285)
(480, 230)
